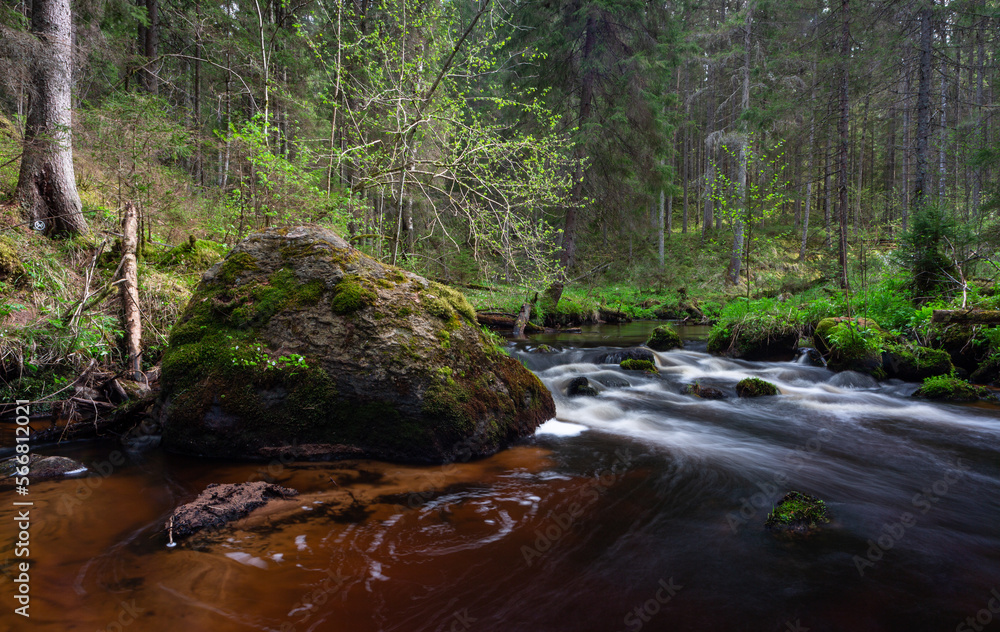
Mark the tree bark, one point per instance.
(845, 52)
(567, 253)
(130, 291)
(46, 187)
(923, 107)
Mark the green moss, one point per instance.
(664, 338)
(952, 389)
(437, 307)
(235, 265)
(195, 254)
(638, 365)
(11, 268)
(755, 387)
(445, 337)
(350, 295)
(913, 364)
(797, 511)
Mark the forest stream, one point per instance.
(641, 508)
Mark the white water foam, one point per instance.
(560, 428)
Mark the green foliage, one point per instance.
(952, 389)
(922, 251)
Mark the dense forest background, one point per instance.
(712, 148)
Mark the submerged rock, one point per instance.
(632, 353)
(664, 338)
(755, 387)
(580, 386)
(797, 513)
(219, 505)
(296, 338)
(42, 467)
(704, 392)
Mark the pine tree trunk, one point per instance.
(923, 107)
(46, 187)
(845, 51)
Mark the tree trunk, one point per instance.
(845, 51)
(46, 187)
(923, 107)
(130, 291)
(567, 253)
(663, 227)
(907, 140)
(736, 253)
(148, 42)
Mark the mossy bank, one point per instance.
(297, 342)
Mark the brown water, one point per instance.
(625, 516)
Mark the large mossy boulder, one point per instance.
(298, 343)
(913, 364)
(664, 338)
(752, 341)
(851, 344)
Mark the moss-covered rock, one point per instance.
(297, 339)
(755, 387)
(965, 344)
(753, 342)
(851, 344)
(797, 513)
(704, 392)
(664, 338)
(638, 365)
(913, 364)
(952, 389)
(988, 372)
(580, 387)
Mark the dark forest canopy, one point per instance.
(530, 142)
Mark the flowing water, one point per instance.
(638, 509)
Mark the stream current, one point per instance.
(639, 509)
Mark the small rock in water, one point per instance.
(639, 365)
(797, 513)
(580, 386)
(704, 392)
(810, 357)
(755, 387)
(853, 379)
(219, 505)
(633, 353)
(42, 467)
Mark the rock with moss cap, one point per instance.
(852, 344)
(755, 387)
(297, 342)
(949, 388)
(797, 513)
(664, 338)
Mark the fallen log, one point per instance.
(966, 316)
(505, 322)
